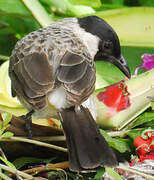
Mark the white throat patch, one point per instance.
(91, 41)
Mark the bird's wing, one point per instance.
(31, 77)
(77, 76)
(45, 58)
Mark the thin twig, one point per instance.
(2, 154)
(40, 138)
(5, 177)
(31, 141)
(15, 171)
(61, 165)
(50, 138)
(5, 58)
(136, 172)
(122, 133)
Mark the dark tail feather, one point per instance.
(86, 146)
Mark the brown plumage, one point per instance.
(45, 60)
(52, 73)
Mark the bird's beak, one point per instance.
(121, 64)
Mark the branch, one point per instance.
(38, 12)
(16, 172)
(61, 165)
(31, 141)
(136, 172)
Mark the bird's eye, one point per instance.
(107, 44)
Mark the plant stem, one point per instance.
(38, 12)
(15, 171)
(5, 58)
(50, 138)
(31, 141)
(2, 153)
(5, 177)
(61, 165)
(136, 172)
(118, 133)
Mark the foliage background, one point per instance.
(132, 20)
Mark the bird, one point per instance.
(52, 72)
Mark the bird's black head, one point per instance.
(109, 45)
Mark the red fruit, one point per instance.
(116, 97)
(150, 136)
(142, 145)
(149, 156)
(145, 146)
(152, 144)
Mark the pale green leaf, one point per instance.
(6, 118)
(6, 135)
(113, 173)
(121, 145)
(134, 26)
(8, 163)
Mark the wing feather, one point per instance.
(71, 74)
(71, 59)
(38, 68)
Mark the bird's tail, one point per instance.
(87, 148)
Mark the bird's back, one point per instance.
(48, 59)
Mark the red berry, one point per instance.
(142, 145)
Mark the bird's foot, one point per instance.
(28, 123)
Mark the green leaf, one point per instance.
(149, 124)
(22, 161)
(152, 105)
(6, 44)
(107, 73)
(18, 111)
(135, 132)
(4, 58)
(22, 25)
(91, 3)
(38, 12)
(113, 173)
(15, 18)
(6, 118)
(99, 173)
(133, 56)
(144, 118)
(8, 163)
(13, 7)
(6, 135)
(49, 160)
(64, 7)
(139, 21)
(112, 2)
(122, 145)
(146, 2)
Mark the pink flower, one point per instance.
(148, 62)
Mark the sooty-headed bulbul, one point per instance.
(52, 73)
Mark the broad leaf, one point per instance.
(121, 145)
(134, 26)
(22, 161)
(146, 117)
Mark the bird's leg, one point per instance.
(28, 121)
